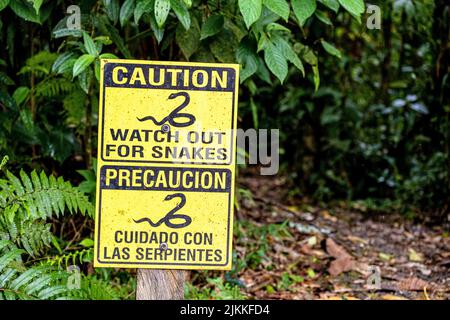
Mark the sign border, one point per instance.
(98, 223)
(174, 64)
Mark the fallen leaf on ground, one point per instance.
(336, 251)
(326, 214)
(306, 249)
(392, 297)
(414, 255)
(385, 256)
(312, 241)
(412, 284)
(344, 261)
(357, 239)
(339, 266)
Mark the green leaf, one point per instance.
(3, 4)
(276, 27)
(52, 291)
(322, 16)
(247, 58)
(332, 4)
(108, 56)
(212, 26)
(181, 12)
(84, 78)
(25, 11)
(106, 28)
(354, 7)
(97, 69)
(103, 40)
(4, 243)
(303, 9)
(316, 77)
(126, 11)
(254, 109)
(275, 60)
(89, 45)
(188, 3)
(61, 61)
(250, 10)
(81, 64)
(331, 49)
(20, 94)
(157, 31)
(280, 7)
(223, 46)
(309, 56)
(8, 257)
(162, 9)
(15, 182)
(145, 6)
(64, 32)
(112, 9)
(36, 5)
(289, 53)
(87, 243)
(262, 42)
(188, 40)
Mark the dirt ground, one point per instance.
(337, 253)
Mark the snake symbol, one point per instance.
(175, 113)
(171, 214)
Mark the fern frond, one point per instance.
(40, 63)
(53, 87)
(78, 256)
(41, 282)
(98, 289)
(34, 237)
(5, 79)
(9, 257)
(27, 202)
(43, 196)
(74, 109)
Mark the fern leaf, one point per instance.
(54, 87)
(26, 181)
(8, 257)
(27, 276)
(16, 184)
(50, 292)
(4, 243)
(39, 283)
(6, 276)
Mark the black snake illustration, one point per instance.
(175, 113)
(171, 214)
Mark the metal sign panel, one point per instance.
(166, 165)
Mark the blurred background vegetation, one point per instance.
(364, 114)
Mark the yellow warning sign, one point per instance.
(166, 165)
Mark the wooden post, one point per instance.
(156, 284)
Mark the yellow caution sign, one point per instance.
(166, 165)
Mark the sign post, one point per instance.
(166, 167)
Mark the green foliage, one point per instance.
(51, 91)
(25, 205)
(288, 281)
(217, 290)
(303, 9)
(260, 243)
(355, 7)
(373, 131)
(364, 114)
